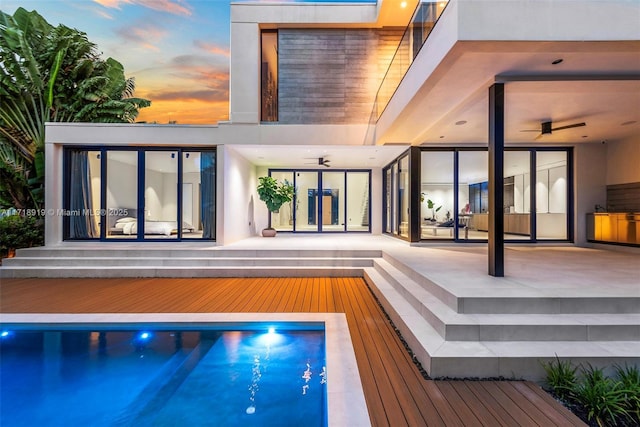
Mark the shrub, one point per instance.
(561, 377)
(603, 399)
(629, 376)
(20, 232)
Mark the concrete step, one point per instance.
(186, 262)
(453, 326)
(485, 358)
(172, 271)
(141, 251)
(521, 301)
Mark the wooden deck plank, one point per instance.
(476, 406)
(395, 391)
(545, 403)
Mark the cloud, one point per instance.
(207, 95)
(211, 48)
(145, 35)
(174, 7)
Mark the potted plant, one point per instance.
(274, 195)
(431, 205)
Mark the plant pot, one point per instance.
(269, 232)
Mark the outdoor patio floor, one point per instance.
(395, 390)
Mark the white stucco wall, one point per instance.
(623, 161)
(237, 198)
(590, 185)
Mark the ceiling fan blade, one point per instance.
(538, 137)
(530, 130)
(575, 125)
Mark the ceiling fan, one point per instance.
(321, 162)
(547, 128)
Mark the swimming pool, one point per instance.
(110, 370)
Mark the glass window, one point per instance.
(516, 199)
(403, 196)
(333, 206)
(109, 181)
(161, 195)
(551, 195)
(269, 76)
(306, 218)
(122, 194)
(473, 194)
(358, 205)
(283, 219)
(82, 216)
(436, 195)
(387, 201)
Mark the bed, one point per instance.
(124, 222)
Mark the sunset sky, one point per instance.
(177, 50)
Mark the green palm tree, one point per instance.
(50, 74)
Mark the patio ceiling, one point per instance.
(450, 106)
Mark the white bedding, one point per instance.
(150, 227)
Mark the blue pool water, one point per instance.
(205, 377)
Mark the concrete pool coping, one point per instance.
(346, 405)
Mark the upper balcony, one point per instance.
(564, 61)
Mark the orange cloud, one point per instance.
(212, 48)
(175, 7)
(185, 112)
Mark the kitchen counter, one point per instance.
(614, 227)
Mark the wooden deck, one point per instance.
(395, 390)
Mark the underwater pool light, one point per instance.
(272, 330)
(144, 336)
(5, 334)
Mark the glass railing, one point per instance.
(422, 21)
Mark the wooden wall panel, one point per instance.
(331, 75)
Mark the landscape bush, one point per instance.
(598, 399)
(20, 232)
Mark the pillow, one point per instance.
(126, 219)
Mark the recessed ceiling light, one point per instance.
(461, 122)
(557, 61)
(441, 136)
(403, 4)
(630, 122)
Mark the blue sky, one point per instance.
(177, 50)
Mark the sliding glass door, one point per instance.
(453, 197)
(139, 194)
(324, 201)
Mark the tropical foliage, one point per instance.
(50, 74)
(20, 232)
(599, 399)
(273, 193)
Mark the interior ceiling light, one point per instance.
(441, 136)
(557, 61)
(403, 4)
(461, 122)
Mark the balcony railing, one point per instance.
(422, 22)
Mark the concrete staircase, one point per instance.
(503, 336)
(451, 335)
(207, 262)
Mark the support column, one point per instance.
(496, 180)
